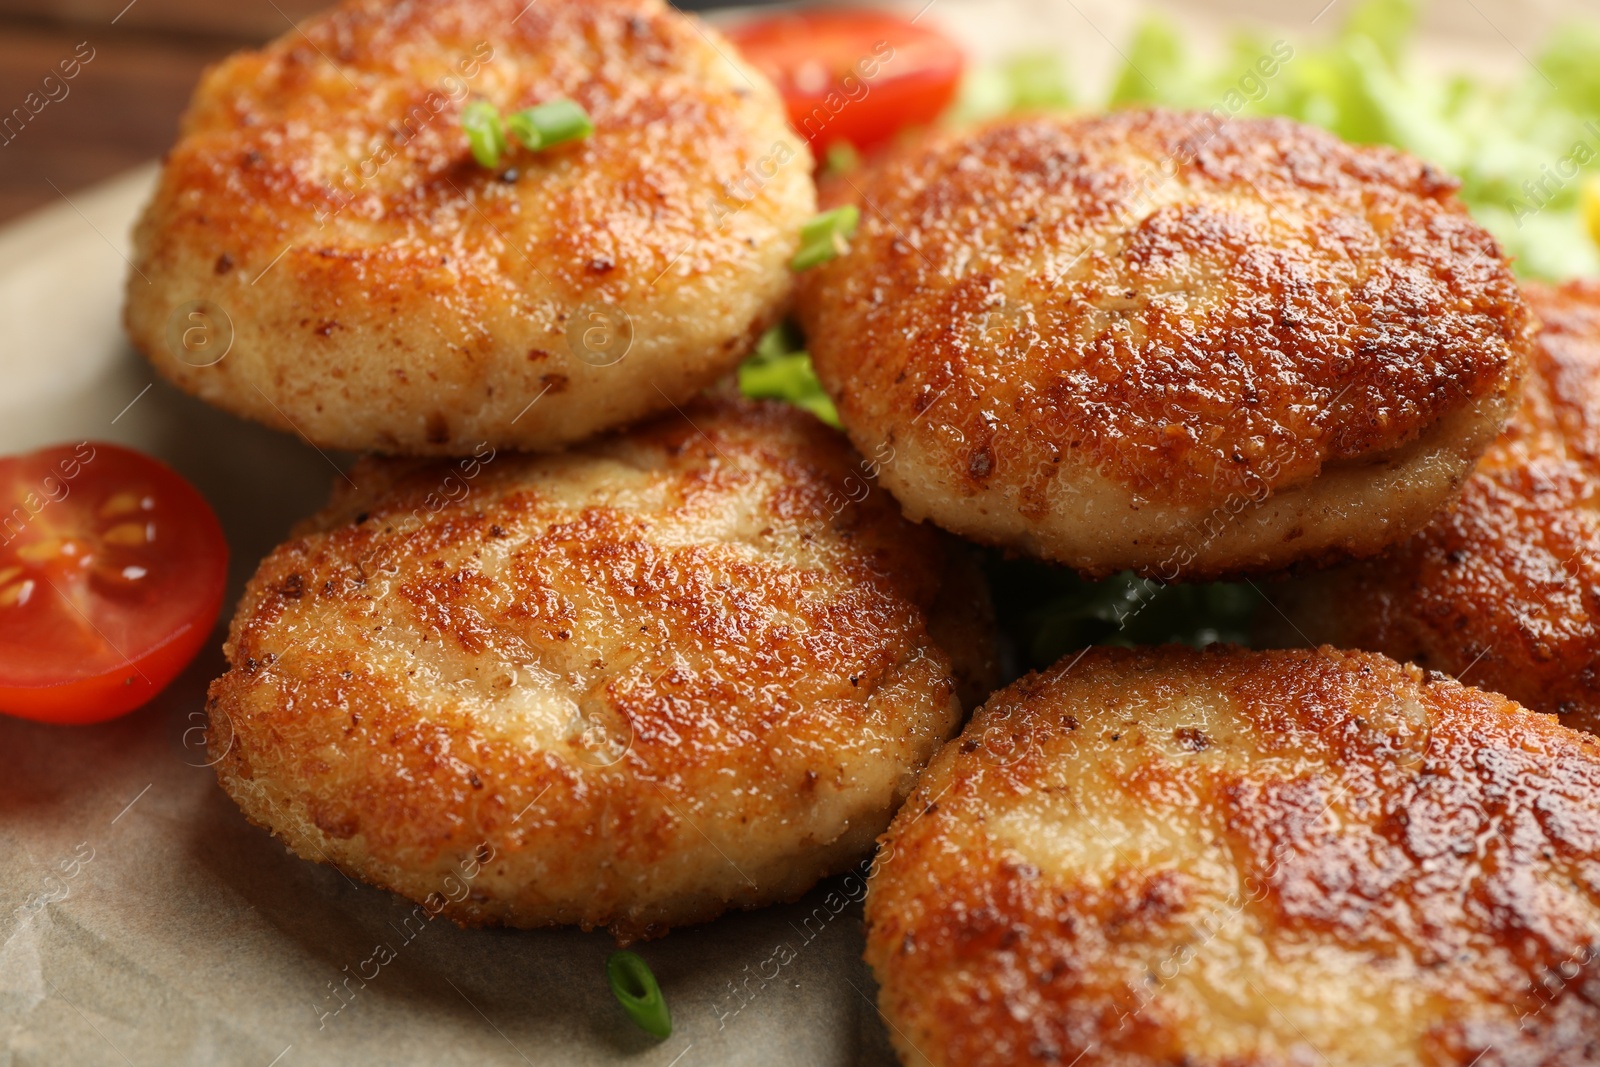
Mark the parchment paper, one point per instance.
(142, 921)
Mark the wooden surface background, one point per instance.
(122, 109)
(123, 106)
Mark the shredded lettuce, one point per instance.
(1527, 152)
(1049, 612)
(781, 369)
(1032, 81)
(1524, 150)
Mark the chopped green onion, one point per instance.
(782, 340)
(824, 237)
(485, 132)
(545, 126)
(636, 990)
(781, 369)
(841, 158)
(551, 123)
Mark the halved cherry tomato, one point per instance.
(111, 576)
(853, 76)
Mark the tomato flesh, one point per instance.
(853, 76)
(112, 569)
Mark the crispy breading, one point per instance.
(1505, 589)
(1224, 858)
(1152, 340)
(654, 677)
(385, 292)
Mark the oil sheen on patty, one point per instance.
(1159, 341)
(323, 253)
(632, 685)
(1160, 856)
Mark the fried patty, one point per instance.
(1152, 340)
(1162, 856)
(1504, 591)
(322, 227)
(646, 680)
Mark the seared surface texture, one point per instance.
(655, 677)
(1506, 588)
(388, 293)
(1161, 856)
(1290, 348)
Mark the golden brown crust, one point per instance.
(386, 292)
(1505, 589)
(1161, 856)
(1082, 356)
(654, 677)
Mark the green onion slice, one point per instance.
(551, 123)
(485, 132)
(825, 236)
(841, 158)
(780, 369)
(636, 990)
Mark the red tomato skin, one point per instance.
(98, 698)
(93, 700)
(854, 76)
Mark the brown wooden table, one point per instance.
(122, 108)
